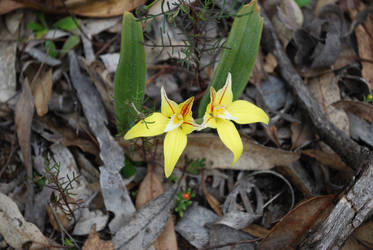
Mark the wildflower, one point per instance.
(174, 119)
(222, 110)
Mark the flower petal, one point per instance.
(230, 137)
(173, 146)
(224, 96)
(246, 112)
(168, 107)
(151, 126)
(210, 107)
(186, 107)
(189, 126)
(208, 119)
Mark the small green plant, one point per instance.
(40, 28)
(303, 3)
(183, 201)
(368, 99)
(194, 166)
(63, 185)
(70, 244)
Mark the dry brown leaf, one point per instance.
(300, 134)
(150, 188)
(365, 232)
(270, 63)
(288, 231)
(23, 119)
(326, 91)
(95, 243)
(256, 230)
(210, 147)
(329, 159)
(92, 8)
(364, 37)
(15, 230)
(213, 202)
(360, 109)
(42, 92)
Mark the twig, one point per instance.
(231, 244)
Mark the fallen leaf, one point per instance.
(149, 189)
(364, 37)
(213, 202)
(329, 159)
(192, 226)
(15, 230)
(364, 233)
(301, 134)
(95, 243)
(147, 223)
(288, 231)
(42, 91)
(359, 109)
(361, 130)
(326, 91)
(88, 219)
(7, 62)
(90, 8)
(210, 147)
(256, 230)
(270, 63)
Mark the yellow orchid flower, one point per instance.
(221, 110)
(176, 120)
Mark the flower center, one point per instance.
(178, 118)
(219, 111)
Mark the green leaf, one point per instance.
(129, 80)
(239, 53)
(129, 169)
(39, 34)
(34, 26)
(303, 3)
(69, 44)
(66, 23)
(50, 47)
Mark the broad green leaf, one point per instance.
(69, 44)
(50, 47)
(303, 3)
(239, 53)
(40, 33)
(34, 26)
(129, 80)
(66, 23)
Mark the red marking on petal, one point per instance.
(169, 104)
(225, 90)
(212, 99)
(186, 107)
(191, 124)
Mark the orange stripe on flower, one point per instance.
(212, 92)
(191, 124)
(186, 107)
(169, 104)
(225, 90)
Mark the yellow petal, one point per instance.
(230, 137)
(173, 146)
(246, 112)
(186, 107)
(152, 125)
(224, 96)
(168, 107)
(208, 119)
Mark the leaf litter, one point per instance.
(74, 127)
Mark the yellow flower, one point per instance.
(221, 110)
(176, 120)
